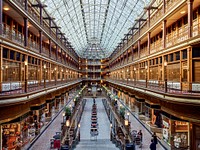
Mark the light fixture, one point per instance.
(55, 68)
(126, 122)
(25, 63)
(45, 66)
(165, 63)
(67, 123)
(6, 8)
(183, 12)
(79, 125)
(111, 125)
(63, 114)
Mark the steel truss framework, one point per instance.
(95, 27)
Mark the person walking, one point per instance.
(140, 134)
(155, 140)
(152, 145)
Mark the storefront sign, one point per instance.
(166, 124)
(165, 134)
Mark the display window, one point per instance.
(16, 135)
(175, 133)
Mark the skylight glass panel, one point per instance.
(100, 22)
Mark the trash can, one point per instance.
(130, 146)
(64, 147)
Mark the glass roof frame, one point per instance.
(95, 24)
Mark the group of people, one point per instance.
(154, 142)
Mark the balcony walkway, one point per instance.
(103, 139)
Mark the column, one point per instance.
(127, 55)
(40, 75)
(49, 48)
(189, 67)
(132, 51)
(25, 32)
(164, 34)
(1, 65)
(164, 6)
(26, 5)
(1, 17)
(41, 17)
(138, 48)
(56, 52)
(40, 44)
(190, 17)
(26, 74)
(149, 42)
(1, 131)
(148, 13)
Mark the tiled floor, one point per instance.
(103, 139)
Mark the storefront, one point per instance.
(131, 102)
(57, 103)
(16, 133)
(153, 117)
(153, 113)
(38, 117)
(49, 110)
(175, 131)
(140, 107)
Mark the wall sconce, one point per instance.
(25, 63)
(67, 123)
(126, 122)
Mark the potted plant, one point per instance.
(122, 112)
(68, 112)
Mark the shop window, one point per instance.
(185, 20)
(166, 58)
(177, 55)
(179, 23)
(18, 56)
(156, 60)
(23, 57)
(4, 18)
(174, 26)
(199, 10)
(184, 54)
(184, 79)
(195, 15)
(5, 52)
(12, 54)
(160, 35)
(29, 59)
(195, 52)
(160, 60)
(169, 30)
(20, 28)
(8, 20)
(33, 59)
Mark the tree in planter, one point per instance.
(68, 112)
(122, 112)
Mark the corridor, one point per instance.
(102, 141)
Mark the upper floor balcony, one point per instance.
(161, 87)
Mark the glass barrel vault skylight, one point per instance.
(95, 27)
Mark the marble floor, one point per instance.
(102, 141)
